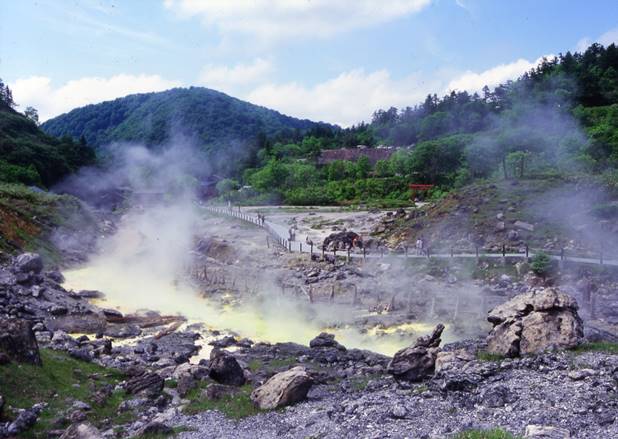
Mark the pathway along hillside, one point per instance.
(280, 233)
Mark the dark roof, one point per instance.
(352, 154)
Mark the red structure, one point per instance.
(419, 188)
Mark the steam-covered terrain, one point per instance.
(221, 270)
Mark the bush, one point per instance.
(541, 264)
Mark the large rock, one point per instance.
(27, 262)
(417, 362)
(533, 322)
(18, 342)
(224, 369)
(283, 389)
(148, 383)
(326, 340)
(546, 432)
(83, 430)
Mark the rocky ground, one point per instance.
(168, 383)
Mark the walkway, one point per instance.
(280, 233)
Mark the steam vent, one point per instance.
(300, 219)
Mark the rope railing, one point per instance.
(278, 234)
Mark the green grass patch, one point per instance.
(59, 382)
(235, 406)
(496, 433)
(599, 346)
(488, 356)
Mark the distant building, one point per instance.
(352, 154)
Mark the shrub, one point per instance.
(541, 264)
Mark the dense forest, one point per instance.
(220, 125)
(559, 119)
(28, 155)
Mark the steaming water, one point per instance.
(276, 320)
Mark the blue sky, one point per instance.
(332, 60)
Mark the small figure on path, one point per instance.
(419, 246)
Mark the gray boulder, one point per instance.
(27, 262)
(82, 430)
(417, 362)
(326, 340)
(224, 369)
(283, 389)
(533, 322)
(18, 342)
(546, 432)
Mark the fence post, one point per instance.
(381, 252)
(364, 252)
(290, 245)
(301, 246)
(348, 256)
(267, 242)
(322, 251)
(562, 254)
(451, 252)
(476, 250)
(406, 250)
(335, 254)
(527, 251)
(311, 250)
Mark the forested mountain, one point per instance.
(28, 155)
(559, 119)
(220, 124)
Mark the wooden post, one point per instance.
(335, 254)
(322, 251)
(310, 294)
(311, 249)
(332, 293)
(562, 254)
(381, 252)
(364, 252)
(348, 256)
(527, 251)
(503, 250)
(290, 246)
(267, 241)
(301, 246)
(451, 252)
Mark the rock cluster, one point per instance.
(533, 322)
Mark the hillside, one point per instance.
(224, 126)
(29, 156)
(557, 120)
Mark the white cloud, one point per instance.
(346, 99)
(227, 79)
(277, 19)
(39, 92)
(609, 37)
(472, 81)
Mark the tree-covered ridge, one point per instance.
(222, 125)
(28, 155)
(560, 119)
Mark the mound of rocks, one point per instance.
(534, 322)
(417, 362)
(283, 389)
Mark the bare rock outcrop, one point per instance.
(283, 389)
(533, 322)
(417, 362)
(18, 342)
